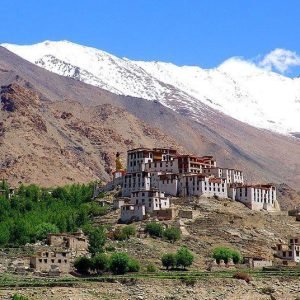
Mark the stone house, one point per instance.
(290, 250)
(45, 261)
(76, 243)
(130, 213)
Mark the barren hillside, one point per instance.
(67, 151)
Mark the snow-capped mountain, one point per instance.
(237, 87)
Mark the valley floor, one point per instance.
(287, 288)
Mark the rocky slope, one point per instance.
(52, 143)
(261, 154)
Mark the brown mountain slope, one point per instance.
(53, 143)
(261, 154)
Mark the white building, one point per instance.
(137, 158)
(131, 213)
(201, 185)
(134, 182)
(255, 197)
(291, 250)
(152, 200)
(231, 175)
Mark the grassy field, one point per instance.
(11, 280)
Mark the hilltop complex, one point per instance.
(152, 175)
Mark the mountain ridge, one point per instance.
(238, 88)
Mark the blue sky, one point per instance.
(185, 32)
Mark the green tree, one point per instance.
(4, 234)
(226, 253)
(97, 239)
(100, 263)
(83, 264)
(184, 257)
(119, 263)
(168, 260)
(154, 229)
(172, 234)
(43, 229)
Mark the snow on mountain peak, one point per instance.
(237, 87)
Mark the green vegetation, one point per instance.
(100, 263)
(154, 229)
(118, 263)
(124, 233)
(224, 253)
(83, 264)
(97, 238)
(19, 297)
(129, 231)
(183, 258)
(33, 212)
(169, 260)
(151, 268)
(172, 234)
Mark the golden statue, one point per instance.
(119, 165)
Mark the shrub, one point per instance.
(151, 268)
(134, 265)
(83, 264)
(100, 262)
(242, 276)
(110, 248)
(19, 297)
(129, 231)
(184, 257)
(154, 229)
(168, 260)
(225, 253)
(119, 235)
(119, 263)
(172, 234)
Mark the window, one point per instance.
(52, 260)
(59, 261)
(45, 260)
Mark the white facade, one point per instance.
(256, 197)
(231, 175)
(166, 183)
(152, 200)
(132, 213)
(135, 181)
(200, 185)
(168, 166)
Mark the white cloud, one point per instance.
(280, 60)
